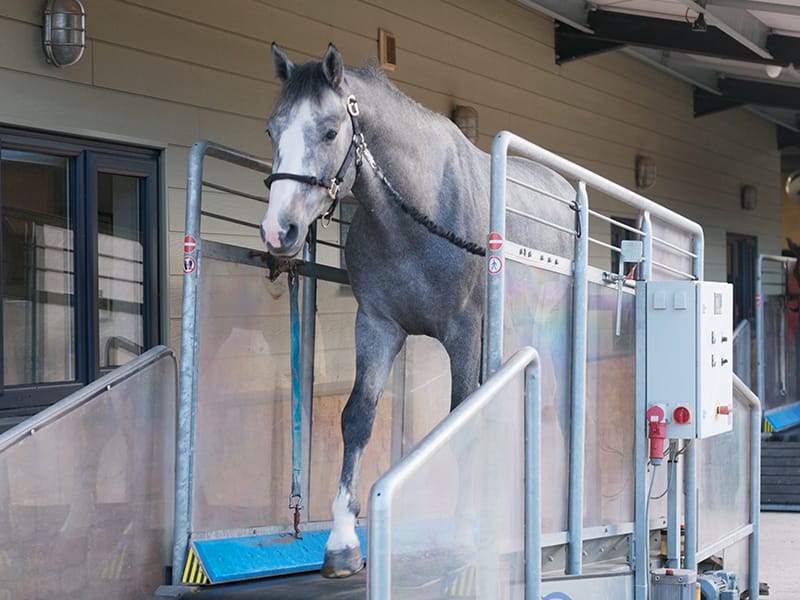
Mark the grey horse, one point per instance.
(337, 131)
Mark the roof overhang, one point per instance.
(736, 53)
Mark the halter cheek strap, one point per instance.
(332, 185)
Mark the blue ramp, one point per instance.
(782, 418)
(254, 556)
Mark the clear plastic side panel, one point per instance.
(610, 409)
(456, 523)
(334, 372)
(86, 500)
(538, 313)
(427, 388)
(243, 459)
(724, 478)
(668, 262)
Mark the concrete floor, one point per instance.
(779, 549)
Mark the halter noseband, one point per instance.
(332, 185)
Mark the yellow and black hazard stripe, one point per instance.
(462, 584)
(193, 571)
(767, 428)
(114, 567)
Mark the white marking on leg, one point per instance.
(343, 535)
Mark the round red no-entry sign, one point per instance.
(189, 244)
(495, 241)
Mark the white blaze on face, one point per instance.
(343, 535)
(291, 151)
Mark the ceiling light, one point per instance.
(774, 71)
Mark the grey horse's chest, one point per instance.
(415, 279)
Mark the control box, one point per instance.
(690, 357)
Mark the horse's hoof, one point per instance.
(342, 563)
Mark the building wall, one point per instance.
(165, 73)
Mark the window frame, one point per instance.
(86, 158)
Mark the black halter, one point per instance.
(332, 184)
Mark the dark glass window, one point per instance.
(79, 265)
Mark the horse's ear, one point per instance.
(283, 65)
(793, 247)
(332, 66)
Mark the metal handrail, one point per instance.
(379, 531)
(505, 142)
(84, 395)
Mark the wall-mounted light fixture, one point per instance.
(466, 119)
(645, 172)
(748, 195)
(793, 186)
(64, 31)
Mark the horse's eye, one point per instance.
(330, 134)
(269, 133)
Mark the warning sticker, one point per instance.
(495, 265)
(189, 264)
(189, 244)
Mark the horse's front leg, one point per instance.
(378, 341)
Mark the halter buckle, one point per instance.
(333, 190)
(352, 106)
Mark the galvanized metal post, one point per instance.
(533, 480)
(690, 456)
(760, 383)
(495, 280)
(580, 310)
(641, 525)
(187, 404)
(673, 509)
(755, 491)
(190, 317)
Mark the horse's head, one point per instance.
(313, 163)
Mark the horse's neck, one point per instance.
(401, 135)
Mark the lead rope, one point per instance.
(414, 213)
(296, 497)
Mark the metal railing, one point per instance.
(649, 211)
(382, 500)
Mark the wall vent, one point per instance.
(387, 49)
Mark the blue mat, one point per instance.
(782, 418)
(249, 557)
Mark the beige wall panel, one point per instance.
(215, 171)
(255, 20)
(158, 77)
(83, 110)
(511, 16)
(21, 50)
(243, 133)
(180, 39)
(22, 10)
(226, 205)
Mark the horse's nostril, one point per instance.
(263, 234)
(289, 236)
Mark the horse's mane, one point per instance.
(308, 81)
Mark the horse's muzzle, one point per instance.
(287, 243)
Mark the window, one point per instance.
(79, 264)
(742, 254)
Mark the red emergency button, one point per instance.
(682, 415)
(723, 410)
